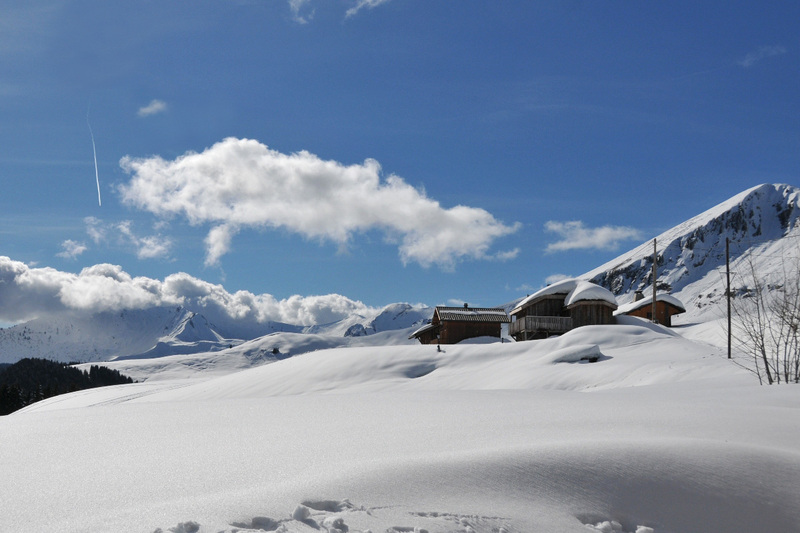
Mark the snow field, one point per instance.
(660, 434)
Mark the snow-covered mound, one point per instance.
(600, 357)
(658, 435)
(266, 349)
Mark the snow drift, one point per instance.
(659, 434)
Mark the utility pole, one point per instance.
(655, 258)
(728, 289)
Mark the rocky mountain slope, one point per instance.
(761, 225)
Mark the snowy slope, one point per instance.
(660, 435)
(259, 351)
(762, 224)
(307, 363)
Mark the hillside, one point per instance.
(30, 380)
(654, 437)
(762, 225)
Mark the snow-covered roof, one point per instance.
(473, 314)
(575, 290)
(648, 300)
(586, 290)
(421, 330)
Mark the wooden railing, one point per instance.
(549, 324)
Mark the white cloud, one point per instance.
(574, 236)
(28, 292)
(555, 278)
(241, 183)
(72, 249)
(507, 255)
(525, 287)
(95, 229)
(302, 13)
(218, 243)
(549, 280)
(153, 108)
(298, 6)
(147, 247)
(153, 247)
(362, 4)
(762, 53)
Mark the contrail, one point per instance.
(94, 150)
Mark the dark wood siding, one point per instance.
(453, 332)
(591, 313)
(552, 305)
(429, 337)
(664, 312)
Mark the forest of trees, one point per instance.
(30, 380)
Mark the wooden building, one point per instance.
(451, 325)
(561, 307)
(642, 306)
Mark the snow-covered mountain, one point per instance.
(151, 332)
(163, 331)
(762, 226)
(392, 317)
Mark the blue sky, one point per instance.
(395, 150)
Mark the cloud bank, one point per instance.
(28, 292)
(575, 236)
(241, 183)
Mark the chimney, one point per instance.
(466, 305)
(638, 295)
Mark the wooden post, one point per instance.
(655, 258)
(728, 288)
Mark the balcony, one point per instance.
(528, 327)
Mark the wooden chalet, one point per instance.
(642, 306)
(561, 307)
(451, 325)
